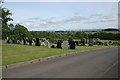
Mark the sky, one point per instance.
(57, 16)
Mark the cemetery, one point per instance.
(25, 50)
(59, 39)
(20, 44)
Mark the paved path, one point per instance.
(100, 63)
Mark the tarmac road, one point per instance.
(101, 63)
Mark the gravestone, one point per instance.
(91, 42)
(30, 41)
(8, 40)
(65, 44)
(43, 43)
(110, 42)
(18, 42)
(47, 44)
(37, 42)
(14, 41)
(118, 43)
(24, 41)
(106, 44)
(99, 43)
(115, 43)
(53, 46)
(72, 44)
(94, 41)
(59, 44)
(77, 43)
(83, 42)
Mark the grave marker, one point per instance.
(65, 44)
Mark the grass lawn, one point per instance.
(14, 53)
(0, 53)
(110, 40)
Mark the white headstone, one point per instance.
(65, 44)
(42, 44)
(47, 44)
(7, 38)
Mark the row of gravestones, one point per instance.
(66, 44)
(38, 43)
(92, 42)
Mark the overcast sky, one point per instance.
(47, 16)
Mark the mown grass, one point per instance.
(0, 53)
(114, 32)
(110, 40)
(14, 53)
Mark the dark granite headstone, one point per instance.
(53, 46)
(8, 41)
(24, 41)
(110, 42)
(59, 44)
(72, 44)
(37, 42)
(30, 41)
(118, 43)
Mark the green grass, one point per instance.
(0, 53)
(110, 40)
(14, 53)
(114, 32)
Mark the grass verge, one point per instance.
(14, 53)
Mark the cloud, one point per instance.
(95, 15)
(100, 18)
(54, 20)
(62, 23)
(100, 21)
(76, 19)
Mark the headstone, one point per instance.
(115, 43)
(59, 44)
(118, 43)
(14, 41)
(110, 42)
(72, 44)
(42, 43)
(91, 42)
(53, 46)
(99, 43)
(83, 42)
(94, 41)
(24, 41)
(30, 41)
(77, 43)
(106, 44)
(65, 44)
(8, 40)
(47, 44)
(18, 42)
(37, 42)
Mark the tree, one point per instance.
(21, 32)
(4, 18)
